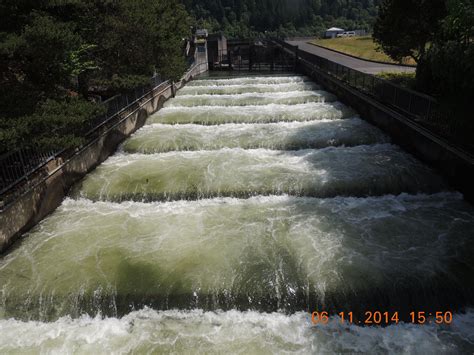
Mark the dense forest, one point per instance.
(247, 18)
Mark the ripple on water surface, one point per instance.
(274, 253)
(159, 138)
(265, 253)
(359, 171)
(284, 98)
(246, 88)
(250, 80)
(214, 115)
(148, 331)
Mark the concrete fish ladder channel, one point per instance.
(246, 202)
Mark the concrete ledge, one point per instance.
(453, 163)
(54, 181)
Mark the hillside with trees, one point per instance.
(247, 18)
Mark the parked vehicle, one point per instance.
(346, 34)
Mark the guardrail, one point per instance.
(266, 57)
(420, 108)
(17, 167)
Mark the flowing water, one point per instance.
(220, 225)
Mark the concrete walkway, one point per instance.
(348, 61)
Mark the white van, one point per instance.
(347, 34)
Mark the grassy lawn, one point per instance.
(362, 47)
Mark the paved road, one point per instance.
(357, 64)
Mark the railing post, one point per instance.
(250, 57)
(296, 57)
(272, 56)
(22, 162)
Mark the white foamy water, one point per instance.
(284, 98)
(247, 88)
(205, 275)
(264, 253)
(158, 138)
(148, 331)
(250, 80)
(358, 171)
(214, 115)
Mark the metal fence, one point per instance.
(267, 57)
(16, 167)
(418, 107)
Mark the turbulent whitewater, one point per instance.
(247, 88)
(148, 331)
(364, 170)
(215, 115)
(242, 206)
(267, 253)
(162, 138)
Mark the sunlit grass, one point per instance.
(362, 47)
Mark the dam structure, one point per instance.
(242, 206)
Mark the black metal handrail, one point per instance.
(418, 107)
(17, 166)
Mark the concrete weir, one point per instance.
(57, 177)
(224, 221)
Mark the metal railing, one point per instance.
(266, 57)
(16, 167)
(420, 108)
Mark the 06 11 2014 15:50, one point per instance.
(385, 318)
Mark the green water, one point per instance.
(247, 88)
(358, 171)
(250, 99)
(265, 252)
(205, 115)
(162, 138)
(241, 207)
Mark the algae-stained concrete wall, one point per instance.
(454, 164)
(58, 176)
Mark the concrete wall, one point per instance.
(55, 179)
(454, 164)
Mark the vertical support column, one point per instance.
(250, 57)
(296, 57)
(229, 58)
(272, 56)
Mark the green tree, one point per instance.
(55, 54)
(405, 28)
(447, 69)
(37, 62)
